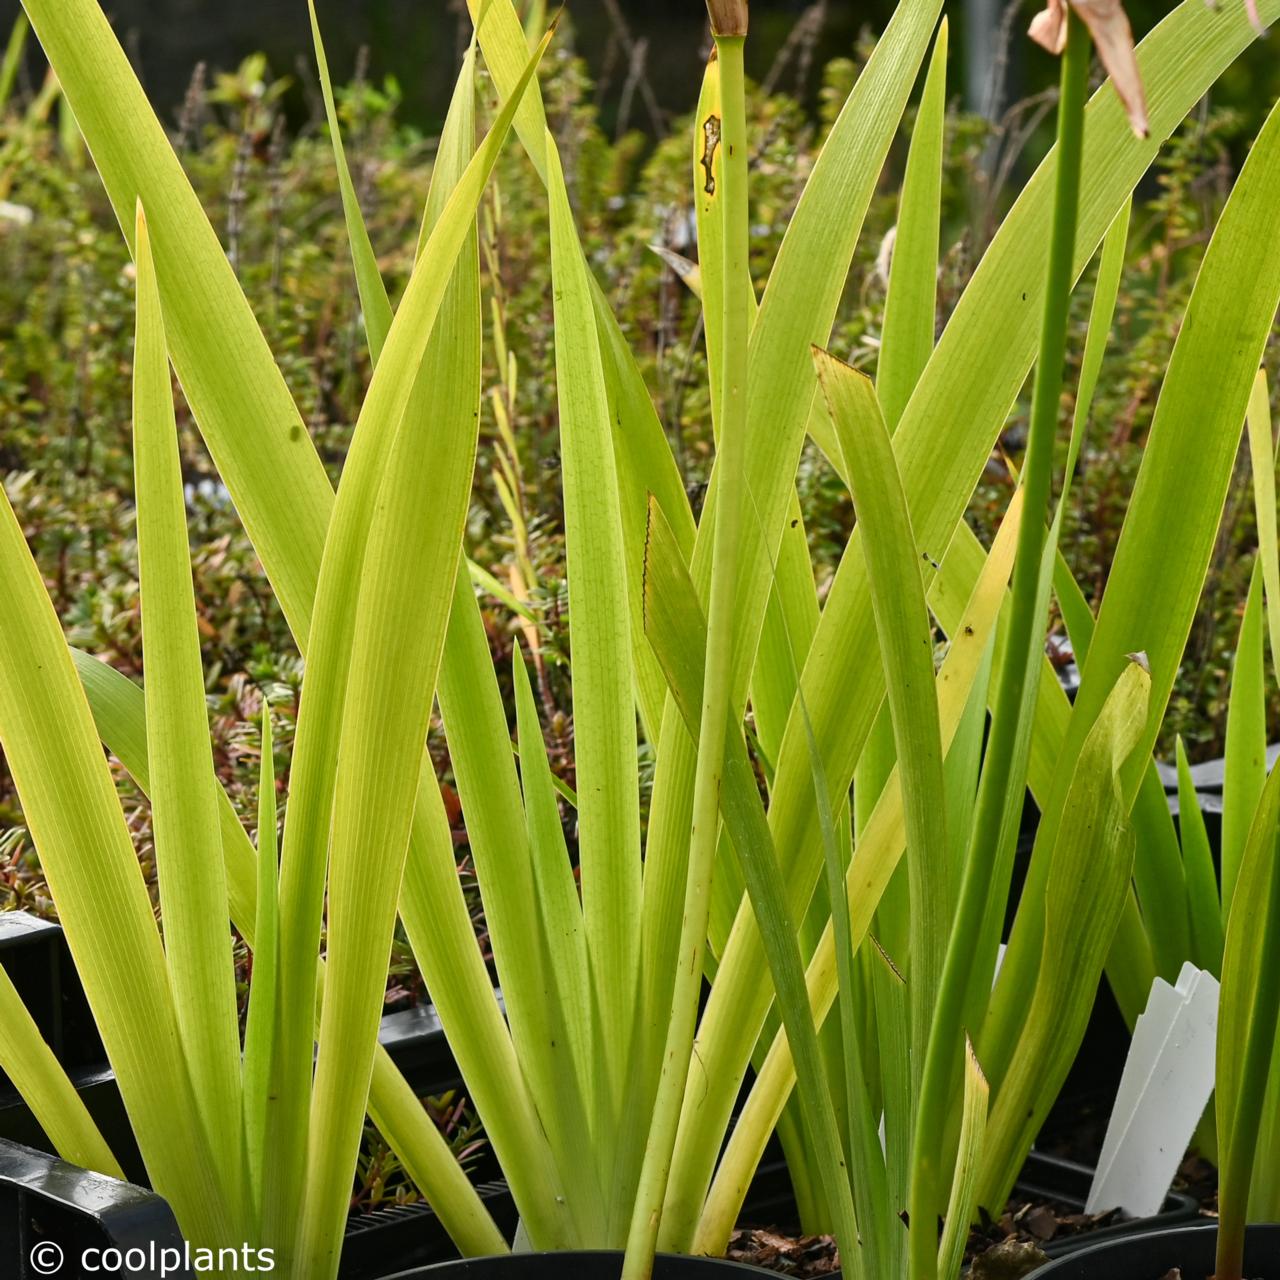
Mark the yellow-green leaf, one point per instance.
(184, 811)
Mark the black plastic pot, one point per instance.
(1207, 778)
(34, 954)
(1152, 1256)
(593, 1265)
(416, 1041)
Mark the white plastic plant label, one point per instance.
(1168, 1079)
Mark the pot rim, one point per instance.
(510, 1262)
(1065, 1264)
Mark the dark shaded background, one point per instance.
(417, 41)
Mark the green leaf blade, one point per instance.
(70, 807)
(1156, 577)
(1204, 901)
(1088, 883)
(260, 1026)
(910, 307)
(1245, 764)
(39, 1078)
(599, 628)
(193, 892)
(374, 304)
(417, 383)
(118, 709)
(906, 646)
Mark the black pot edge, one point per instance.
(595, 1264)
(1066, 1182)
(1184, 1247)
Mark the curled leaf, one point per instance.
(1112, 36)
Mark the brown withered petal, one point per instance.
(728, 17)
(1113, 38)
(1109, 27)
(1049, 27)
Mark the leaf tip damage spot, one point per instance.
(710, 141)
(1141, 660)
(644, 564)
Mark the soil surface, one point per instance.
(804, 1256)
(1033, 1223)
(1006, 1248)
(1199, 1179)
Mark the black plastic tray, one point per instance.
(46, 1202)
(35, 955)
(52, 1211)
(410, 1235)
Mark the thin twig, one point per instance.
(275, 187)
(191, 114)
(657, 117)
(236, 196)
(635, 76)
(1000, 67)
(798, 46)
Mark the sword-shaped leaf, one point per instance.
(906, 647)
(184, 813)
(1084, 898)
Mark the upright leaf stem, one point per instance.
(928, 1194)
(718, 681)
(1242, 1144)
